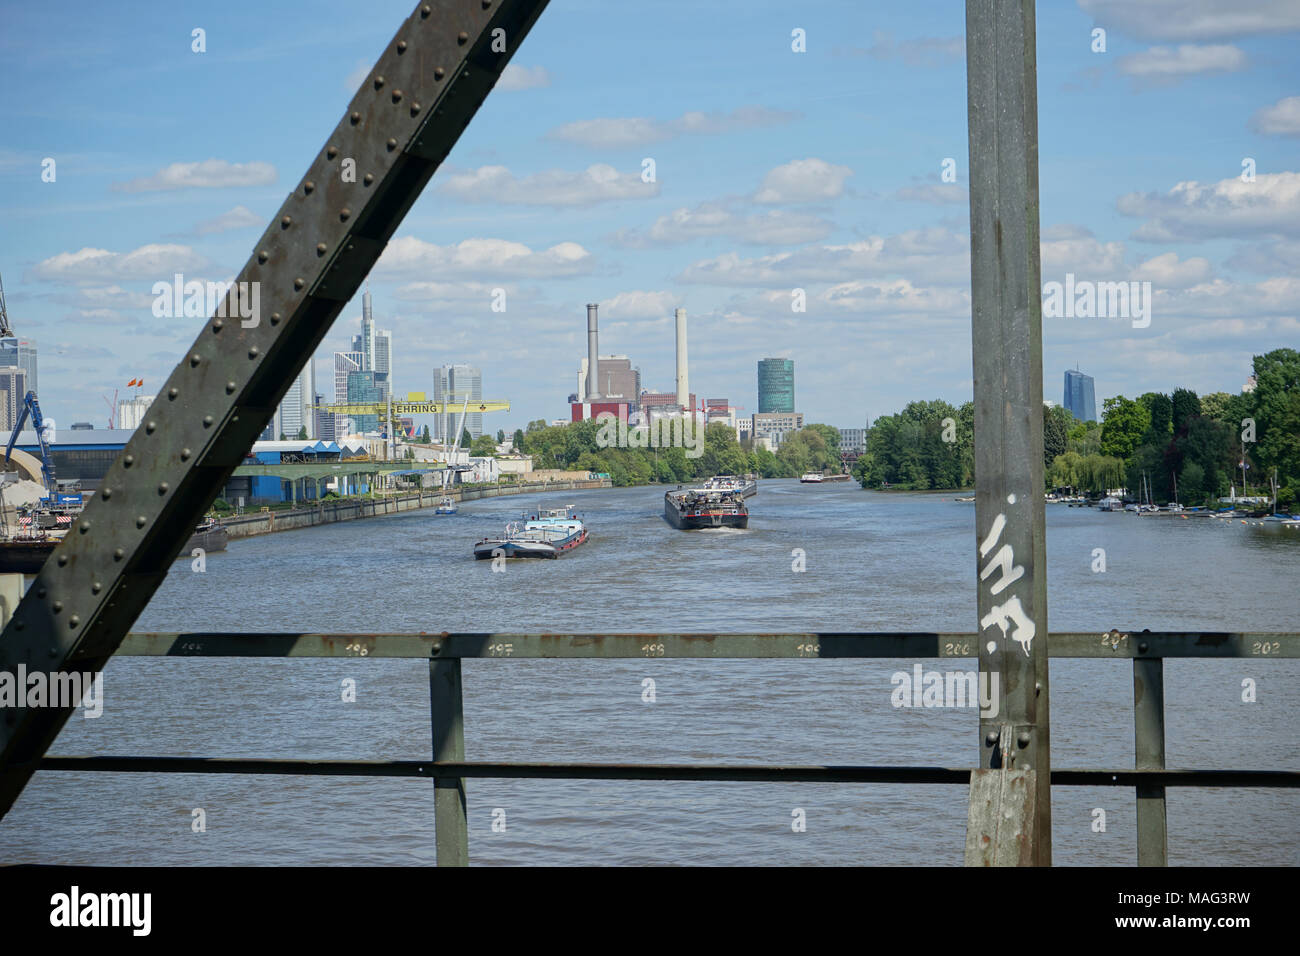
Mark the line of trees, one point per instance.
(577, 447)
(1195, 442)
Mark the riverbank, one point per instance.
(351, 509)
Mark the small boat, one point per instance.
(446, 506)
(209, 536)
(1110, 504)
(549, 533)
(811, 478)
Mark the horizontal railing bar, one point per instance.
(682, 772)
(810, 645)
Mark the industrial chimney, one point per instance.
(683, 388)
(593, 359)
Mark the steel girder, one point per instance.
(403, 121)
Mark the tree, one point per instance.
(1123, 424)
(482, 447)
(283, 437)
(1185, 406)
(1277, 417)
(302, 433)
(537, 424)
(519, 440)
(1160, 409)
(465, 439)
(501, 437)
(1055, 433)
(425, 437)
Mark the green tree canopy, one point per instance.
(1124, 423)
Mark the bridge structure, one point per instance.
(423, 90)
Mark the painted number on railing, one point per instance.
(1266, 647)
(809, 650)
(652, 650)
(358, 650)
(500, 650)
(952, 649)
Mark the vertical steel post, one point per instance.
(1006, 332)
(1149, 754)
(446, 705)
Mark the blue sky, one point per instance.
(775, 170)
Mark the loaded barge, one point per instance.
(549, 533)
(705, 508)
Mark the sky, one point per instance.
(1171, 156)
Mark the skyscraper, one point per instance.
(295, 412)
(452, 384)
(345, 363)
(377, 348)
(13, 390)
(21, 353)
(1080, 399)
(363, 390)
(776, 385)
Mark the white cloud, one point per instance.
(1182, 20)
(724, 219)
(639, 305)
(238, 218)
(1167, 272)
(493, 259)
(208, 174)
(1280, 119)
(803, 180)
(932, 256)
(154, 262)
(1071, 249)
(595, 184)
(523, 78)
(1170, 64)
(1191, 210)
(621, 132)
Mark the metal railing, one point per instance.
(449, 769)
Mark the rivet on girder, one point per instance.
(344, 214)
(185, 454)
(263, 256)
(321, 248)
(308, 187)
(424, 12)
(299, 283)
(74, 620)
(275, 318)
(58, 606)
(369, 178)
(217, 325)
(150, 427)
(207, 421)
(415, 109)
(486, 4)
(329, 154)
(1023, 739)
(379, 82)
(230, 388)
(63, 559)
(195, 359)
(162, 487)
(141, 521)
(96, 588)
(128, 461)
(439, 73)
(84, 526)
(401, 46)
(397, 96)
(118, 554)
(252, 352)
(392, 144)
(286, 222)
(991, 738)
(355, 118)
(462, 38)
(106, 493)
(41, 592)
(173, 392)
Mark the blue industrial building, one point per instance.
(1080, 399)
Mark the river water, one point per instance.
(873, 562)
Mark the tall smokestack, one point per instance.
(683, 387)
(593, 349)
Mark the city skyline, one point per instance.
(754, 197)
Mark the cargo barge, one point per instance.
(549, 533)
(26, 554)
(702, 508)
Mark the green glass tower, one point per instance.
(776, 385)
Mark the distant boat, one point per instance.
(745, 487)
(548, 534)
(811, 478)
(446, 506)
(697, 508)
(1110, 504)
